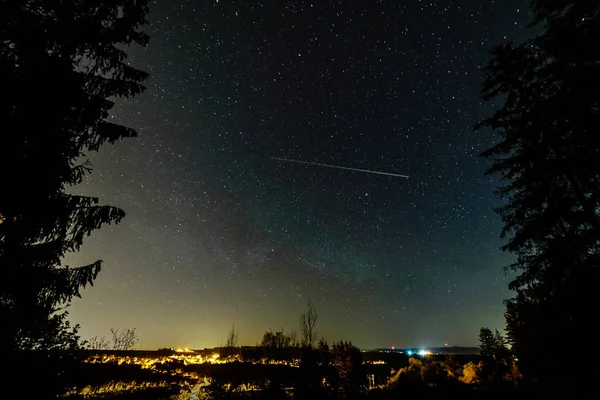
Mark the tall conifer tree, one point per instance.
(548, 155)
(62, 65)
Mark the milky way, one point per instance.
(217, 232)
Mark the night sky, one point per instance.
(219, 232)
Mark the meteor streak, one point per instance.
(338, 167)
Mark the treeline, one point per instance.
(283, 365)
(276, 344)
(319, 370)
(325, 372)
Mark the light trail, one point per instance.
(338, 167)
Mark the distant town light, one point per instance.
(186, 350)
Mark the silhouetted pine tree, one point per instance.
(62, 64)
(487, 343)
(549, 157)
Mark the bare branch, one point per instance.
(308, 325)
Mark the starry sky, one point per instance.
(219, 232)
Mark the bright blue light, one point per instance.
(409, 352)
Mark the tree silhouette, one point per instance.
(122, 339)
(497, 358)
(231, 343)
(501, 350)
(308, 325)
(275, 344)
(275, 339)
(294, 338)
(350, 370)
(309, 383)
(487, 343)
(62, 64)
(549, 157)
(322, 346)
